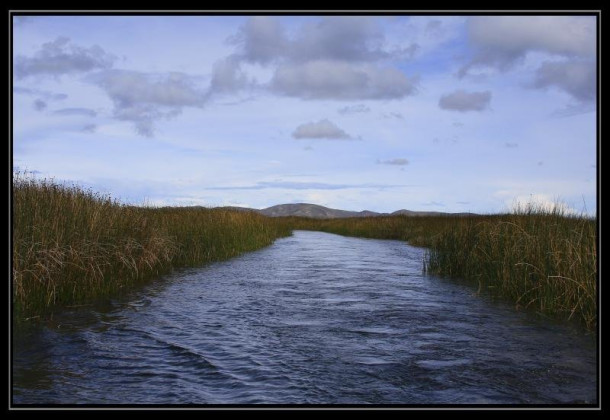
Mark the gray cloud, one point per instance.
(354, 109)
(59, 57)
(393, 115)
(337, 57)
(346, 38)
(577, 78)
(86, 112)
(501, 41)
(227, 76)
(463, 101)
(144, 98)
(323, 129)
(511, 145)
(396, 161)
(261, 40)
(39, 105)
(328, 79)
(44, 94)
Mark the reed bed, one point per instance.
(72, 245)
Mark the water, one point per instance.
(313, 319)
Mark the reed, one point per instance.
(73, 245)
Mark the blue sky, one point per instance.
(443, 113)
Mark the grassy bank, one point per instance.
(542, 260)
(72, 245)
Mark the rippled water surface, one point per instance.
(314, 318)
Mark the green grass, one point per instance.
(72, 245)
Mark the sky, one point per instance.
(426, 113)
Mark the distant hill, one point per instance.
(321, 212)
(311, 210)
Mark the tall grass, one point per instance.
(71, 245)
(540, 259)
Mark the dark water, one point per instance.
(315, 318)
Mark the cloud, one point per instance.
(577, 78)
(542, 202)
(396, 161)
(502, 41)
(144, 98)
(59, 57)
(89, 128)
(463, 101)
(434, 203)
(345, 38)
(227, 76)
(511, 145)
(323, 129)
(261, 40)
(336, 57)
(39, 105)
(393, 115)
(304, 186)
(329, 79)
(354, 109)
(86, 112)
(44, 94)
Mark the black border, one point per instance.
(595, 10)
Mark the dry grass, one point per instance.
(72, 245)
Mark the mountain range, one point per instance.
(321, 212)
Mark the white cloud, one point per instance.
(542, 202)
